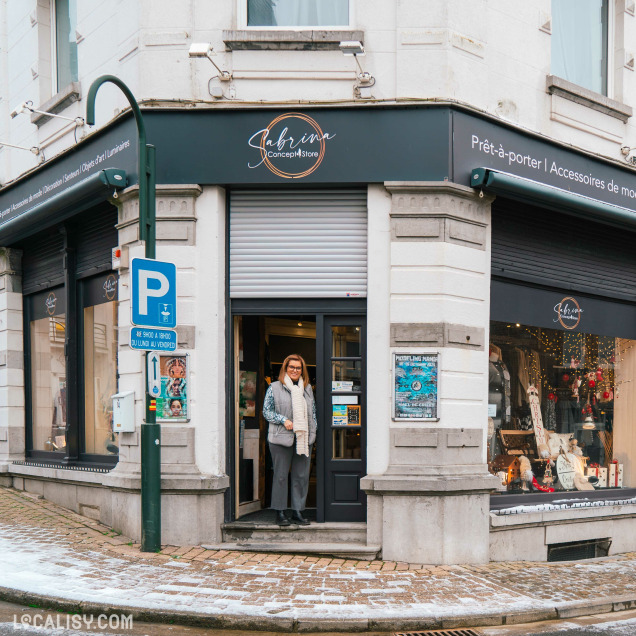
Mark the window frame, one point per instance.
(74, 286)
(609, 54)
(56, 88)
(241, 14)
(82, 304)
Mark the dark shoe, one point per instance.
(299, 519)
(281, 519)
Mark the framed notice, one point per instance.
(416, 386)
(172, 404)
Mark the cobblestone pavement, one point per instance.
(49, 552)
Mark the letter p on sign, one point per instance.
(153, 293)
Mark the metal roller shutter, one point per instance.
(542, 247)
(95, 237)
(42, 261)
(298, 244)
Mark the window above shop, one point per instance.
(64, 43)
(580, 51)
(57, 43)
(292, 25)
(294, 14)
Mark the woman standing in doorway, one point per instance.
(290, 409)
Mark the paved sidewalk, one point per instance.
(54, 557)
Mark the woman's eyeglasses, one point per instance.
(290, 368)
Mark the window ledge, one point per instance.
(284, 40)
(68, 95)
(562, 88)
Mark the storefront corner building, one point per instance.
(457, 274)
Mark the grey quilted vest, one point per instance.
(277, 433)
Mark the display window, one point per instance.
(99, 326)
(47, 335)
(561, 409)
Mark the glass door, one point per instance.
(344, 419)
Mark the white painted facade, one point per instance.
(491, 57)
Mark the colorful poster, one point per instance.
(416, 386)
(339, 415)
(353, 415)
(247, 393)
(172, 405)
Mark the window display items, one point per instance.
(172, 404)
(575, 405)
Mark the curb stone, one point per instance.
(531, 616)
(575, 609)
(572, 609)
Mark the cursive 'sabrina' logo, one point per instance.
(50, 302)
(110, 286)
(292, 146)
(568, 313)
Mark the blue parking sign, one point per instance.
(153, 293)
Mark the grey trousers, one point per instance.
(283, 459)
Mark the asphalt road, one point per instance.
(16, 620)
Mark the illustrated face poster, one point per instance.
(247, 394)
(172, 405)
(416, 386)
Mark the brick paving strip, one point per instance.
(53, 557)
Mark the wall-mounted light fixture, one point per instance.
(204, 49)
(36, 150)
(629, 154)
(365, 80)
(27, 107)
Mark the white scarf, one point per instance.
(299, 415)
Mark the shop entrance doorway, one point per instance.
(333, 347)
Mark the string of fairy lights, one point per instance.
(589, 364)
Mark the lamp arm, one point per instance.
(146, 216)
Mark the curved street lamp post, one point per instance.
(150, 430)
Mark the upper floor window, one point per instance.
(580, 42)
(297, 13)
(65, 42)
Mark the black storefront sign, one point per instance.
(320, 146)
(480, 143)
(115, 147)
(564, 311)
(292, 147)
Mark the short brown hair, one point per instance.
(283, 369)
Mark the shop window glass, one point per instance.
(298, 13)
(100, 377)
(579, 42)
(584, 400)
(48, 375)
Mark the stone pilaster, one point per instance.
(431, 505)
(11, 358)
(192, 500)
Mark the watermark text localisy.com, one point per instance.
(74, 621)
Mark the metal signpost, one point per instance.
(150, 430)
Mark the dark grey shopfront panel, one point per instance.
(538, 246)
(544, 262)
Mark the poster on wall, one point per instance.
(416, 384)
(172, 404)
(247, 394)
